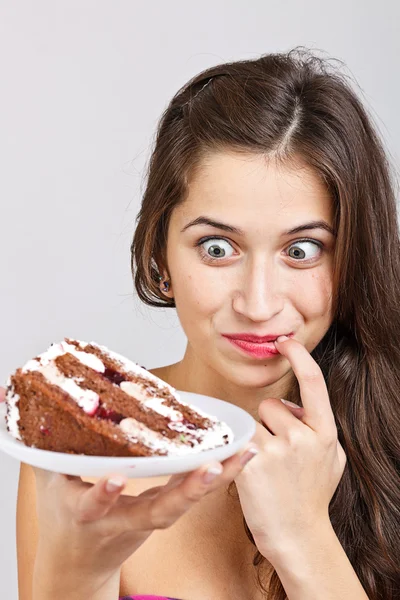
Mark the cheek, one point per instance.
(314, 295)
(198, 292)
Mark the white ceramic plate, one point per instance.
(242, 424)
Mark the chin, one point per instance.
(255, 375)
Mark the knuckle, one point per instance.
(163, 522)
(158, 517)
(91, 510)
(197, 490)
(330, 437)
(82, 517)
(194, 495)
(272, 448)
(295, 437)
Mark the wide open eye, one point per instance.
(216, 248)
(304, 250)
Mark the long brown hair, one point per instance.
(288, 105)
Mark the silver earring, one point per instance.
(166, 284)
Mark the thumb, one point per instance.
(2, 394)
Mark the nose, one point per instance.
(258, 295)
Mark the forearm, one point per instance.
(318, 568)
(56, 578)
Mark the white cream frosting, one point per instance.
(12, 418)
(207, 439)
(137, 391)
(55, 350)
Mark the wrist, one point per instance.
(317, 567)
(296, 552)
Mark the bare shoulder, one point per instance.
(27, 530)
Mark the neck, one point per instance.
(219, 516)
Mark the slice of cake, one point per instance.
(81, 398)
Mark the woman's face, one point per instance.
(236, 268)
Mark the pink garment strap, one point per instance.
(147, 598)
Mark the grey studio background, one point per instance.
(82, 86)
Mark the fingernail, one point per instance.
(282, 338)
(290, 403)
(248, 455)
(212, 473)
(113, 484)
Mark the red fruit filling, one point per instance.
(113, 376)
(108, 414)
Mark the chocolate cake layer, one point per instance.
(51, 420)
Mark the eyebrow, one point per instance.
(235, 230)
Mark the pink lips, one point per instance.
(256, 346)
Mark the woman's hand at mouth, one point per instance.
(286, 490)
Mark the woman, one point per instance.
(268, 213)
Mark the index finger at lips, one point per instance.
(2, 394)
(314, 394)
